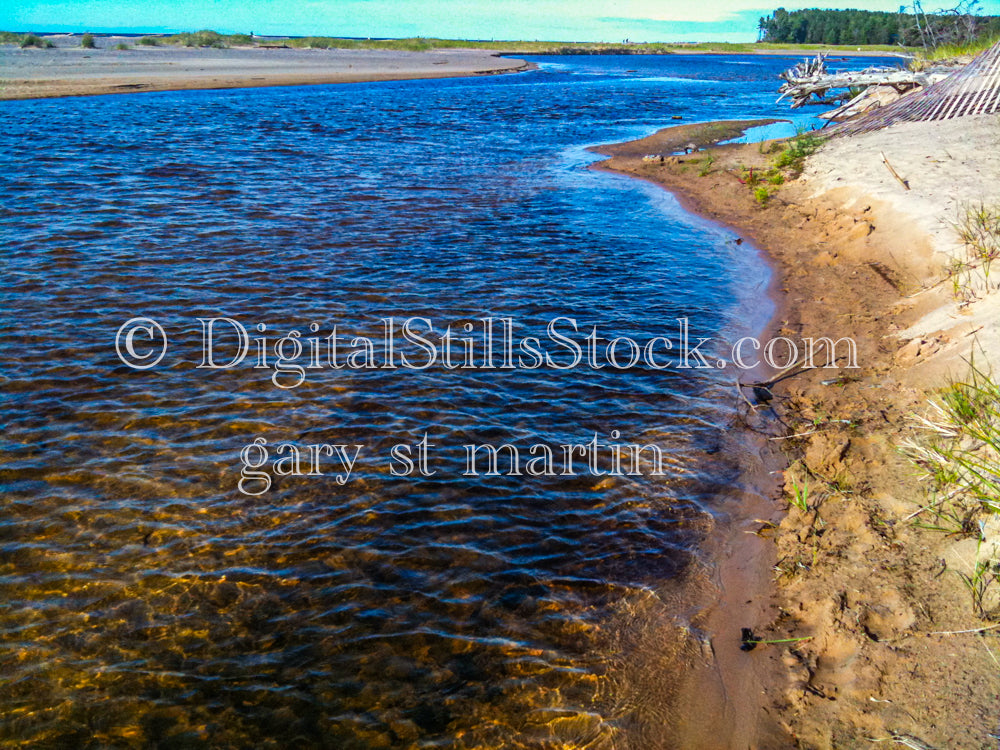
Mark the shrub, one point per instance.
(203, 38)
(87, 41)
(796, 150)
(33, 40)
(121, 45)
(149, 41)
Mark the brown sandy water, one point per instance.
(148, 599)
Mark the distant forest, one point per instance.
(870, 27)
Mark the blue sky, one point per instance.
(570, 20)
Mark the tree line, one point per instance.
(911, 26)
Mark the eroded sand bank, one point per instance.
(879, 599)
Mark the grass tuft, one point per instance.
(978, 227)
(961, 456)
(87, 41)
(793, 155)
(150, 41)
(706, 166)
(203, 38)
(800, 495)
(33, 40)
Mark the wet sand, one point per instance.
(856, 254)
(74, 71)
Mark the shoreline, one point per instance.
(852, 574)
(79, 72)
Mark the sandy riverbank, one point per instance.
(73, 71)
(858, 255)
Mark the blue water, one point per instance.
(146, 599)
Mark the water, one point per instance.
(145, 598)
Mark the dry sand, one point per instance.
(858, 255)
(73, 71)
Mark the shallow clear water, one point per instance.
(145, 599)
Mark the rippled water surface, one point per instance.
(146, 599)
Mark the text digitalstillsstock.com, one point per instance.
(490, 343)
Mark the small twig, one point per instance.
(903, 739)
(938, 501)
(892, 171)
(962, 632)
(784, 640)
(739, 390)
(797, 434)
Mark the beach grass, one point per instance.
(961, 457)
(87, 41)
(978, 227)
(951, 51)
(33, 40)
(203, 38)
(800, 495)
(794, 152)
(209, 38)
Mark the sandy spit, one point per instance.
(73, 71)
(856, 254)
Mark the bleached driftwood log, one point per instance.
(810, 79)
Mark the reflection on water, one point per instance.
(144, 599)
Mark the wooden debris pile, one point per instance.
(968, 91)
(809, 82)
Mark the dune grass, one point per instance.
(960, 458)
(978, 226)
(961, 455)
(87, 41)
(209, 38)
(951, 51)
(33, 40)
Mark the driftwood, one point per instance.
(810, 79)
(893, 172)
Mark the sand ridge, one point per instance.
(74, 71)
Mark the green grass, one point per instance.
(960, 454)
(203, 38)
(793, 155)
(122, 45)
(980, 580)
(150, 41)
(9, 37)
(209, 38)
(800, 495)
(87, 41)
(949, 51)
(706, 166)
(33, 40)
(978, 227)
